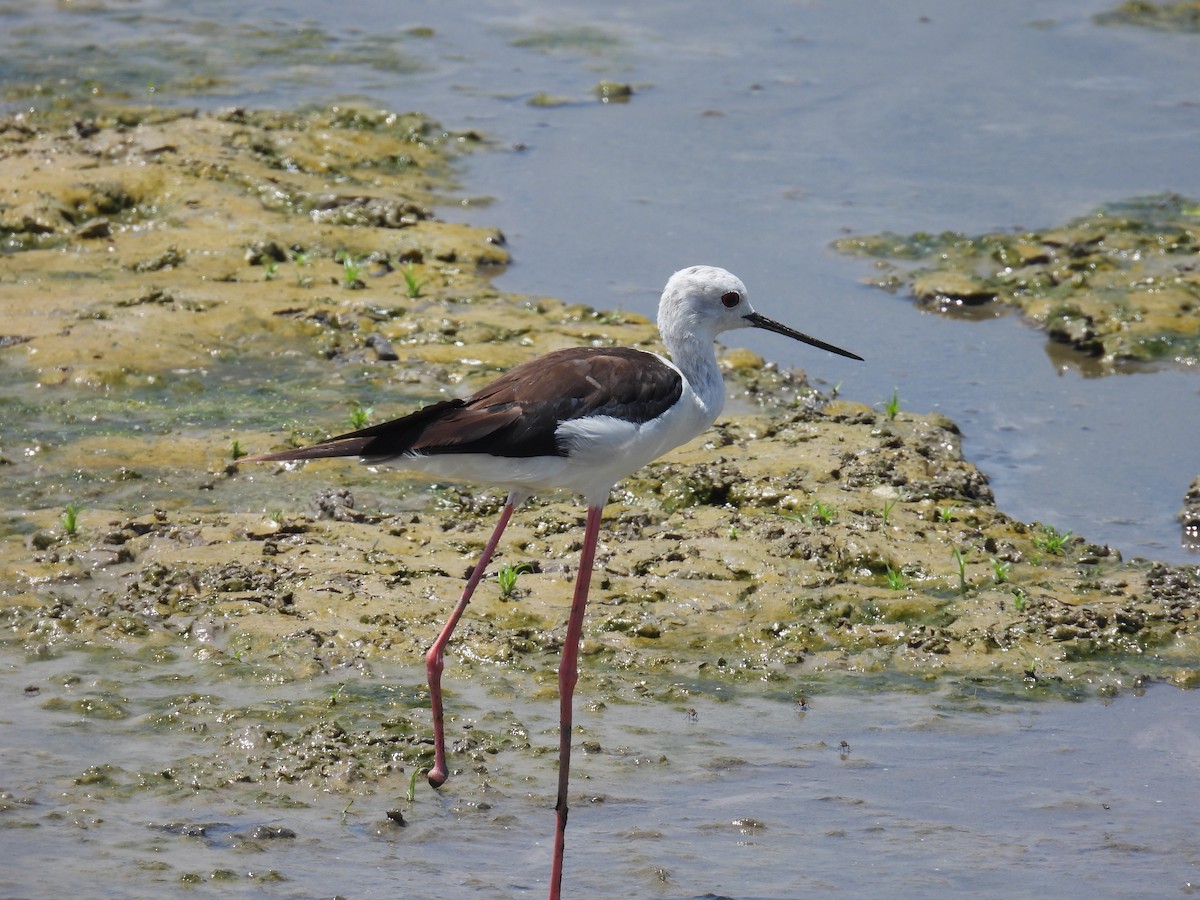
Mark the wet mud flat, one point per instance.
(182, 288)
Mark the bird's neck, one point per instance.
(697, 360)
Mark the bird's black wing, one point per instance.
(518, 414)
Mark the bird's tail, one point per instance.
(388, 439)
(323, 450)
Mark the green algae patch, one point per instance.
(578, 40)
(1118, 286)
(1181, 17)
(106, 52)
(165, 237)
(778, 570)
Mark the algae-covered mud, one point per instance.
(1119, 285)
(174, 281)
(183, 288)
(1184, 17)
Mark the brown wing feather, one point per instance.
(518, 414)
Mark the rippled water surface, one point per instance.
(741, 794)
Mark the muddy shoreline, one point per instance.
(183, 288)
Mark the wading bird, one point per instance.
(576, 420)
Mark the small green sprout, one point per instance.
(360, 415)
(895, 579)
(1051, 541)
(1020, 599)
(352, 271)
(235, 450)
(887, 510)
(823, 513)
(892, 407)
(960, 557)
(507, 577)
(277, 516)
(1000, 570)
(818, 514)
(270, 269)
(412, 284)
(733, 532)
(411, 794)
(946, 513)
(70, 519)
(302, 261)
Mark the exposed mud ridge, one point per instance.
(782, 546)
(1181, 17)
(1120, 286)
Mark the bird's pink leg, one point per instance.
(433, 659)
(568, 674)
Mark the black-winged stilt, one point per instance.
(576, 420)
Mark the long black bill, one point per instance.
(758, 320)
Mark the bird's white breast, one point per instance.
(600, 451)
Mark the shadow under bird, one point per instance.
(577, 420)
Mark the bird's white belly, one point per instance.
(601, 450)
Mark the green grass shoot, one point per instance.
(352, 271)
(892, 407)
(960, 556)
(1000, 570)
(507, 577)
(360, 415)
(823, 513)
(818, 514)
(411, 794)
(1051, 540)
(302, 261)
(412, 285)
(70, 519)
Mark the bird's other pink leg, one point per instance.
(433, 659)
(568, 674)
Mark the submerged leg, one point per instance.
(568, 674)
(433, 659)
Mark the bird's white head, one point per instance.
(700, 302)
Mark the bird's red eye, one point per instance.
(731, 299)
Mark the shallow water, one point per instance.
(936, 792)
